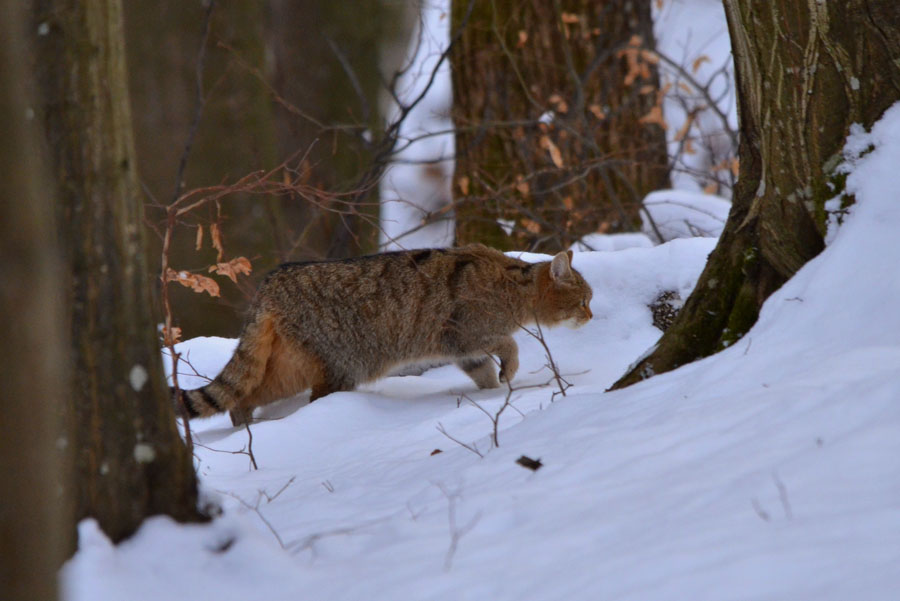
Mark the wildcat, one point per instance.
(332, 325)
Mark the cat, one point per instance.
(331, 325)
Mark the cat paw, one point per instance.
(508, 371)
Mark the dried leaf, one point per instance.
(654, 116)
(568, 203)
(597, 111)
(216, 234)
(172, 336)
(699, 61)
(522, 186)
(197, 283)
(648, 89)
(529, 463)
(685, 88)
(570, 18)
(711, 188)
(199, 242)
(531, 226)
(463, 184)
(650, 56)
(559, 103)
(685, 128)
(523, 38)
(555, 154)
(231, 269)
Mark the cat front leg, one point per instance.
(507, 351)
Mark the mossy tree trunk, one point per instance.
(33, 344)
(129, 461)
(806, 71)
(557, 109)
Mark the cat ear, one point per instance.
(559, 267)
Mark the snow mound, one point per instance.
(671, 214)
(608, 242)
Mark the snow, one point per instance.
(768, 471)
(617, 241)
(683, 214)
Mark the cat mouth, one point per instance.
(573, 323)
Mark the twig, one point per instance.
(271, 498)
(255, 509)
(456, 533)
(473, 448)
(250, 444)
(782, 494)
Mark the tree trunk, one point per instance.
(806, 71)
(557, 109)
(129, 459)
(33, 343)
(327, 62)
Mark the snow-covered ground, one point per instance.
(768, 471)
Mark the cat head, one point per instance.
(563, 295)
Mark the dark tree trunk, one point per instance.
(327, 63)
(129, 459)
(588, 167)
(33, 344)
(806, 71)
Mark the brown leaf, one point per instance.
(711, 188)
(650, 56)
(570, 18)
(555, 154)
(463, 184)
(532, 226)
(685, 128)
(172, 336)
(699, 61)
(523, 37)
(199, 243)
(216, 234)
(231, 269)
(529, 463)
(597, 111)
(559, 103)
(522, 186)
(197, 283)
(654, 116)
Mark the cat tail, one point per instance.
(240, 378)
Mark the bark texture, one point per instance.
(557, 106)
(129, 461)
(33, 343)
(806, 71)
